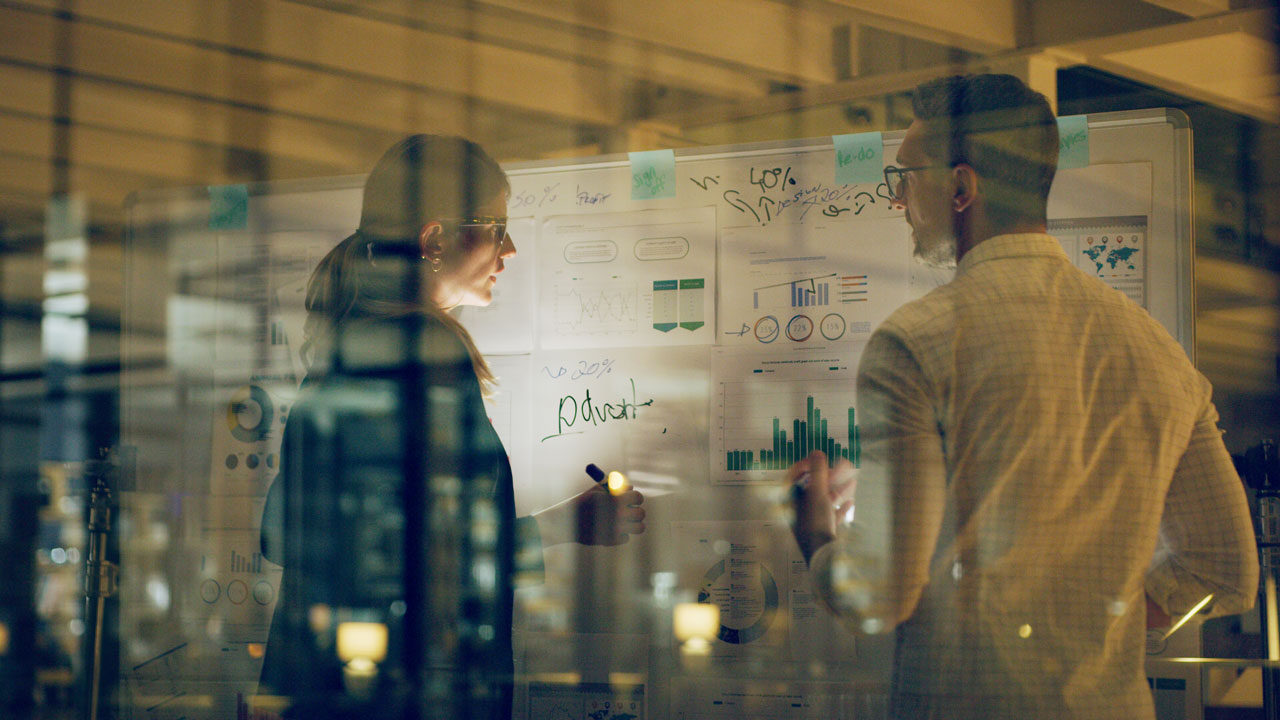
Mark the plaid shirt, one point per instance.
(1038, 453)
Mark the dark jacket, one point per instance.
(394, 504)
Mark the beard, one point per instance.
(936, 250)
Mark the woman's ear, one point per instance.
(965, 180)
(431, 241)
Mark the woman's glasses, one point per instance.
(497, 226)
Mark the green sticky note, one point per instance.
(859, 158)
(653, 174)
(228, 207)
(1073, 141)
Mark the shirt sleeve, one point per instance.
(877, 572)
(1207, 543)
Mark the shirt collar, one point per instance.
(1000, 247)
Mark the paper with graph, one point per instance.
(642, 278)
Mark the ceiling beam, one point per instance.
(1227, 60)
(174, 162)
(785, 41)
(128, 58)
(1193, 8)
(1026, 64)
(108, 105)
(977, 26)
(315, 38)
(691, 70)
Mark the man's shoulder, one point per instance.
(925, 314)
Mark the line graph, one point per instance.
(597, 307)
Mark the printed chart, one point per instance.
(638, 278)
(585, 701)
(743, 569)
(1112, 249)
(820, 284)
(702, 698)
(772, 410)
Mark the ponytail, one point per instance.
(349, 284)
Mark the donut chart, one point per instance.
(799, 328)
(769, 607)
(249, 414)
(766, 329)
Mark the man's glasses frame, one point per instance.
(896, 178)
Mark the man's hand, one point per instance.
(811, 493)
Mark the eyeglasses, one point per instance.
(498, 225)
(896, 179)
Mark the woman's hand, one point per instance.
(604, 518)
(593, 517)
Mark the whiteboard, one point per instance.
(698, 343)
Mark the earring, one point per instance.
(436, 264)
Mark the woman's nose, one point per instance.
(508, 247)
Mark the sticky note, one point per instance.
(653, 174)
(859, 158)
(228, 207)
(1073, 141)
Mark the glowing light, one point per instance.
(158, 592)
(364, 640)
(1190, 613)
(257, 650)
(872, 626)
(319, 617)
(617, 483)
(696, 646)
(1024, 632)
(696, 621)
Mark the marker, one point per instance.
(800, 485)
(615, 482)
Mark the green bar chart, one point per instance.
(766, 427)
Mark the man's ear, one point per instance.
(431, 241)
(965, 180)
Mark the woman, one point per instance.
(394, 503)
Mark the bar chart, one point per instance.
(766, 426)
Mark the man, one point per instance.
(1039, 455)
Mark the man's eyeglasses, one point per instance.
(896, 179)
(496, 225)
